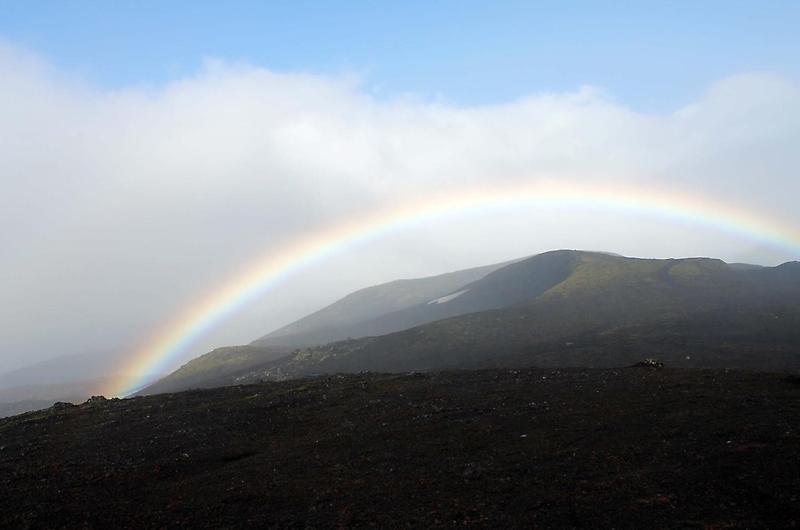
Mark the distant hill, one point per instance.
(17, 399)
(75, 368)
(370, 311)
(71, 378)
(572, 308)
(18, 407)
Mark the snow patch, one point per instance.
(447, 298)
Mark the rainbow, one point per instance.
(158, 353)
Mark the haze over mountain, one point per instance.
(359, 314)
(60, 370)
(356, 315)
(561, 308)
(71, 378)
(120, 207)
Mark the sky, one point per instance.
(150, 150)
(649, 55)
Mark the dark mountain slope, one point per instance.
(610, 311)
(623, 448)
(355, 315)
(347, 317)
(511, 285)
(360, 314)
(568, 308)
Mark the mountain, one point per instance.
(521, 448)
(360, 313)
(220, 364)
(74, 368)
(509, 285)
(375, 310)
(573, 308)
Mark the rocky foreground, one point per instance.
(628, 448)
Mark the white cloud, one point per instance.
(119, 206)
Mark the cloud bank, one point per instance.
(118, 207)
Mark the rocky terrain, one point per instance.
(639, 447)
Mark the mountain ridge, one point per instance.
(617, 309)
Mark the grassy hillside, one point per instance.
(219, 364)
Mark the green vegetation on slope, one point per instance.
(572, 308)
(216, 364)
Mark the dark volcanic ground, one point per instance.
(634, 447)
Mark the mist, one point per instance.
(119, 207)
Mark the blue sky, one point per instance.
(652, 56)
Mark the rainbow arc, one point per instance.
(159, 351)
